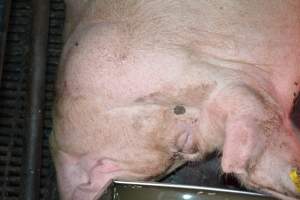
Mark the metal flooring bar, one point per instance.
(34, 118)
(5, 12)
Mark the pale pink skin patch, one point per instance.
(126, 65)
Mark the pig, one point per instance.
(144, 86)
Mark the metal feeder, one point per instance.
(157, 191)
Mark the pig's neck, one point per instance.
(275, 70)
(223, 71)
(213, 74)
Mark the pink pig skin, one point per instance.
(144, 86)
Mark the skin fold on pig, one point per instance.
(146, 85)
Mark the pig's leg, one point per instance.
(259, 146)
(243, 110)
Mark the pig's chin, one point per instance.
(267, 190)
(278, 194)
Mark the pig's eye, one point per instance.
(179, 110)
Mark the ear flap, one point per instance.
(99, 176)
(242, 144)
(83, 178)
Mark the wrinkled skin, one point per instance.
(144, 86)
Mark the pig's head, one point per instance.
(145, 140)
(136, 142)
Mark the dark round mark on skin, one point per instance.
(194, 121)
(296, 98)
(296, 83)
(179, 110)
(76, 44)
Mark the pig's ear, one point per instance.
(99, 175)
(84, 178)
(242, 145)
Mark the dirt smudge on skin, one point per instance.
(191, 95)
(296, 98)
(155, 96)
(195, 95)
(270, 125)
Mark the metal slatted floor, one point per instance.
(13, 96)
(12, 100)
